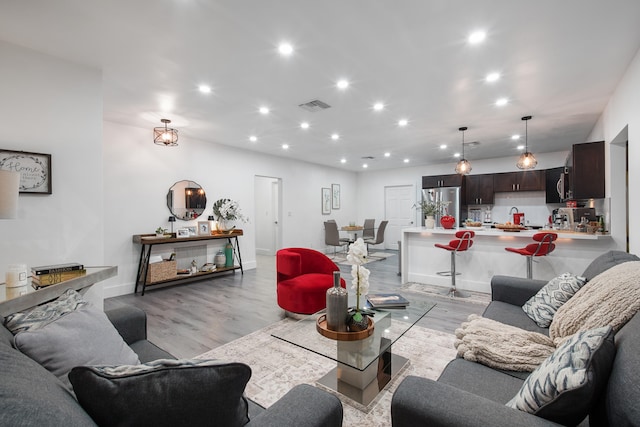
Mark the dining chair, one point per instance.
(379, 237)
(332, 236)
(369, 230)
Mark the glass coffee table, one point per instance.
(363, 367)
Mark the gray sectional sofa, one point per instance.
(472, 394)
(32, 396)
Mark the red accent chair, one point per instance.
(461, 243)
(303, 277)
(543, 247)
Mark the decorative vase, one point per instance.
(357, 325)
(337, 305)
(430, 221)
(228, 254)
(447, 221)
(220, 260)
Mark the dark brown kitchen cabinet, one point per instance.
(436, 181)
(533, 180)
(587, 170)
(479, 189)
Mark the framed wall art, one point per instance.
(204, 228)
(34, 168)
(326, 201)
(335, 196)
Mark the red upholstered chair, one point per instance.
(462, 242)
(544, 245)
(303, 277)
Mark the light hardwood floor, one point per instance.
(190, 319)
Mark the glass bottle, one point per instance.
(337, 305)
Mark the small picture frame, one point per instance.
(34, 168)
(204, 228)
(193, 230)
(182, 232)
(326, 201)
(335, 196)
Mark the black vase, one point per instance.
(357, 325)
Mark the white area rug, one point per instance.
(277, 366)
(438, 292)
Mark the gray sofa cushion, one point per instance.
(475, 378)
(512, 315)
(606, 261)
(175, 392)
(31, 395)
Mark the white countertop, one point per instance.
(497, 232)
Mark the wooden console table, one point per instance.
(149, 240)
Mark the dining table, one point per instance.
(352, 229)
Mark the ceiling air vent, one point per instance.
(367, 157)
(315, 105)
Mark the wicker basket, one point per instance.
(159, 271)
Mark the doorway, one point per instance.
(398, 202)
(267, 191)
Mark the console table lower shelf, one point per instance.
(148, 241)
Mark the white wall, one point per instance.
(137, 175)
(622, 115)
(55, 107)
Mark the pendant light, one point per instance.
(165, 135)
(527, 159)
(463, 167)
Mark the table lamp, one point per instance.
(172, 219)
(9, 188)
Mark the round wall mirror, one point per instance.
(186, 200)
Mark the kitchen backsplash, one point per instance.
(532, 203)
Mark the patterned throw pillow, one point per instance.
(42, 315)
(566, 385)
(172, 392)
(542, 306)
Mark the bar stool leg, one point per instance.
(529, 267)
(453, 291)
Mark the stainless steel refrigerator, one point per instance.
(450, 195)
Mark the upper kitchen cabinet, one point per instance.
(554, 184)
(479, 189)
(436, 181)
(586, 170)
(531, 180)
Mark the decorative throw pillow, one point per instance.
(60, 338)
(542, 306)
(174, 392)
(566, 385)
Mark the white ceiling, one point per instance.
(560, 61)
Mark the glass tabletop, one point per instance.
(389, 325)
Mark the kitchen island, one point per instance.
(421, 260)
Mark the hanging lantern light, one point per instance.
(527, 160)
(165, 135)
(463, 167)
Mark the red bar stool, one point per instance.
(461, 243)
(543, 247)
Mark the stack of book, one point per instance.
(387, 301)
(48, 275)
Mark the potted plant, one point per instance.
(430, 210)
(160, 231)
(226, 210)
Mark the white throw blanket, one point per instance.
(610, 298)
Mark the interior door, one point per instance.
(398, 208)
(267, 215)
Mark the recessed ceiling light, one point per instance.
(403, 122)
(264, 110)
(335, 136)
(387, 154)
(443, 146)
(364, 165)
(378, 106)
(253, 138)
(285, 49)
(456, 154)
(515, 137)
(492, 77)
(342, 84)
(520, 147)
(477, 37)
(304, 125)
(204, 89)
(285, 146)
(343, 160)
(502, 102)
(406, 160)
